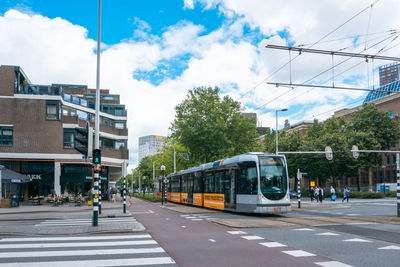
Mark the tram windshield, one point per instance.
(273, 179)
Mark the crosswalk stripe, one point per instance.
(66, 238)
(89, 263)
(86, 221)
(83, 244)
(95, 252)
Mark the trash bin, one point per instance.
(384, 188)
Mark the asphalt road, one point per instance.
(195, 241)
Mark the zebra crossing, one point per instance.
(83, 222)
(97, 250)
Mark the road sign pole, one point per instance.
(298, 188)
(124, 195)
(398, 183)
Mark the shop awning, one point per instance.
(9, 176)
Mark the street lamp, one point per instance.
(276, 129)
(162, 183)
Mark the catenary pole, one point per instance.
(298, 188)
(95, 218)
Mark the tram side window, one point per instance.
(184, 184)
(209, 183)
(219, 182)
(248, 180)
(197, 183)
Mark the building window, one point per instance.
(6, 136)
(120, 125)
(68, 138)
(119, 145)
(52, 110)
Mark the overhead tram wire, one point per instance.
(326, 35)
(319, 74)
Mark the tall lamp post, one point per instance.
(162, 183)
(276, 129)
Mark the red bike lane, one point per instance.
(203, 243)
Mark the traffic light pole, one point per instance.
(99, 193)
(97, 124)
(95, 218)
(124, 195)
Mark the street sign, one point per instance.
(328, 153)
(355, 151)
(312, 183)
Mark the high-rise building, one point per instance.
(150, 145)
(37, 134)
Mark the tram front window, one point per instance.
(273, 180)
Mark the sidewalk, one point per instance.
(68, 219)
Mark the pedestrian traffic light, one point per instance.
(96, 156)
(83, 140)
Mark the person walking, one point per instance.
(316, 193)
(346, 194)
(312, 193)
(333, 194)
(320, 194)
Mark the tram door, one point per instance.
(230, 190)
(190, 189)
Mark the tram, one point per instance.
(248, 183)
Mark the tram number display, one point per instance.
(278, 209)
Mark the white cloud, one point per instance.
(57, 51)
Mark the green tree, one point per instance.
(212, 128)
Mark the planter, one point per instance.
(5, 203)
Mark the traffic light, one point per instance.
(96, 156)
(83, 140)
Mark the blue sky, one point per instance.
(154, 51)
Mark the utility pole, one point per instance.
(299, 176)
(124, 190)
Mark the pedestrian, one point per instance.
(109, 193)
(321, 194)
(316, 193)
(312, 193)
(333, 194)
(346, 194)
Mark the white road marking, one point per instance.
(272, 244)
(183, 226)
(167, 219)
(357, 240)
(252, 237)
(236, 232)
(391, 247)
(198, 219)
(361, 223)
(304, 229)
(112, 262)
(87, 244)
(333, 264)
(353, 214)
(212, 240)
(27, 254)
(298, 253)
(328, 234)
(66, 238)
(185, 215)
(191, 217)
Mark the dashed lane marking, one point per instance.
(252, 237)
(304, 229)
(357, 240)
(198, 219)
(328, 234)
(272, 244)
(332, 264)
(183, 226)
(298, 253)
(391, 247)
(212, 240)
(236, 232)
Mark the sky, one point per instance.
(153, 52)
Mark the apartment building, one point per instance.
(37, 134)
(150, 145)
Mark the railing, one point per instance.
(38, 90)
(57, 90)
